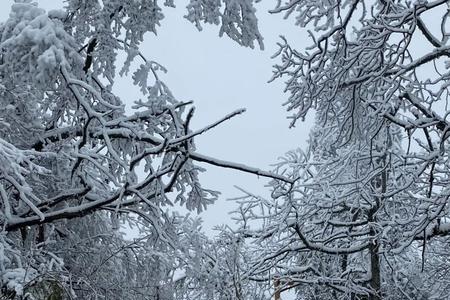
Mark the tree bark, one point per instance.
(375, 282)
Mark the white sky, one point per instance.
(220, 76)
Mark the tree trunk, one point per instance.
(375, 281)
(276, 285)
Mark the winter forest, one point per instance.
(102, 192)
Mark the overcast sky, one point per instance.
(220, 76)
